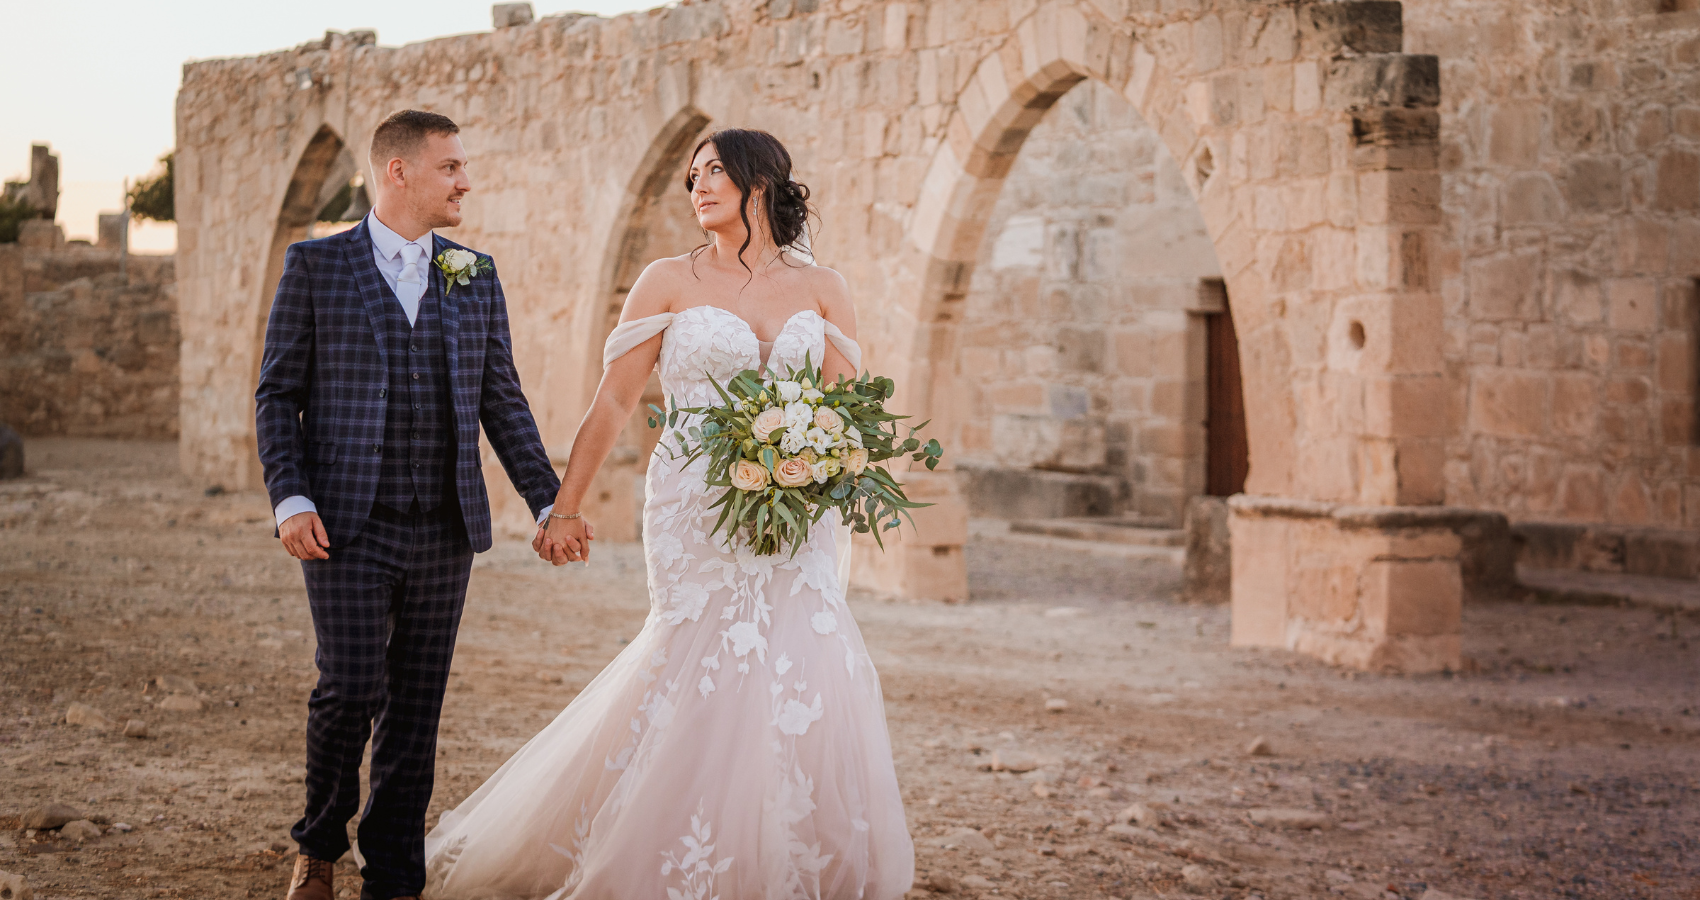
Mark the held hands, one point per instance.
(303, 535)
(562, 541)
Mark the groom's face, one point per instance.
(436, 180)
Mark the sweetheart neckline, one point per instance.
(750, 328)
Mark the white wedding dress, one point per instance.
(737, 748)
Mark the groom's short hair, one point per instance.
(403, 133)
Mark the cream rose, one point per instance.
(767, 422)
(828, 420)
(856, 461)
(793, 472)
(748, 476)
(460, 259)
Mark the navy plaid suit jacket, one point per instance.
(322, 397)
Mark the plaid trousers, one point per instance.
(386, 608)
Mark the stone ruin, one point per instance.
(1389, 275)
(88, 333)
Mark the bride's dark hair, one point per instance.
(757, 161)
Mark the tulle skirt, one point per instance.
(736, 749)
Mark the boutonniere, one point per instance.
(460, 267)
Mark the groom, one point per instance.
(375, 379)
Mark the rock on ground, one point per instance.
(15, 887)
(53, 815)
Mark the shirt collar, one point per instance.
(389, 243)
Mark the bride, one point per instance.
(737, 748)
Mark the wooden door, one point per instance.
(1227, 453)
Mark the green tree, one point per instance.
(13, 214)
(151, 197)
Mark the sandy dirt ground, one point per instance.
(1563, 765)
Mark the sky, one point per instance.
(97, 79)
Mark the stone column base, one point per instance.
(924, 562)
(1376, 588)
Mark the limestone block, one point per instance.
(1632, 303)
(1325, 29)
(1514, 134)
(1508, 403)
(1413, 597)
(40, 234)
(1678, 181)
(1385, 79)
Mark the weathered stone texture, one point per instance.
(1077, 352)
(85, 351)
(1572, 203)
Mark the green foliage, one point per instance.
(775, 515)
(151, 196)
(13, 214)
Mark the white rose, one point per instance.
(460, 259)
(793, 442)
(817, 471)
(767, 422)
(789, 391)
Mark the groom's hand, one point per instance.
(564, 540)
(304, 536)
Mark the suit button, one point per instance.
(415, 376)
(416, 465)
(416, 435)
(413, 347)
(415, 406)
(377, 448)
(383, 392)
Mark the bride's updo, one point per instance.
(757, 161)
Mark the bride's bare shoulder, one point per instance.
(829, 289)
(658, 288)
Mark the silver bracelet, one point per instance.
(556, 515)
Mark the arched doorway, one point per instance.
(1096, 365)
(323, 172)
(656, 223)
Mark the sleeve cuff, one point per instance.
(542, 517)
(293, 506)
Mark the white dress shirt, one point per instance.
(390, 251)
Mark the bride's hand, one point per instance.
(568, 540)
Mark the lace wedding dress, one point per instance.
(737, 748)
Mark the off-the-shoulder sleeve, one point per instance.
(852, 351)
(630, 334)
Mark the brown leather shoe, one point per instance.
(312, 879)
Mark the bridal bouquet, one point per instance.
(787, 449)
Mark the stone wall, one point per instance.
(85, 351)
(1571, 223)
(1300, 129)
(1080, 344)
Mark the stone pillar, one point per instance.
(1361, 567)
(112, 228)
(1371, 587)
(43, 191)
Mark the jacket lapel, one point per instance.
(374, 293)
(448, 309)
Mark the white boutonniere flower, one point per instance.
(460, 267)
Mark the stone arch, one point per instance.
(1011, 88)
(321, 169)
(632, 233)
(647, 227)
